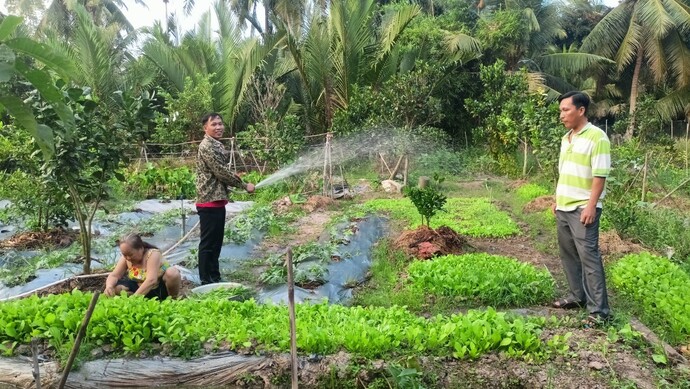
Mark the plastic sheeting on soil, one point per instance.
(164, 239)
(217, 369)
(350, 271)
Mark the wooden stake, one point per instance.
(385, 164)
(397, 167)
(644, 175)
(293, 324)
(37, 370)
(405, 169)
(233, 161)
(77, 341)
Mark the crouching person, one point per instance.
(142, 270)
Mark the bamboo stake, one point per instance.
(293, 324)
(77, 341)
(685, 181)
(37, 370)
(687, 135)
(644, 175)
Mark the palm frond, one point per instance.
(606, 36)
(675, 104)
(656, 58)
(164, 57)
(628, 49)
(570, 63)
(462, 47)
(653, 13)
(678, 53)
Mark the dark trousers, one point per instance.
(212, 225)
(581, 259)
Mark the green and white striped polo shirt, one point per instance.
(587, 155)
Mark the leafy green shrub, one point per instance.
(427, 200)
(404, 101)
(659, 290)
(529, 192)
(184, 111)
(275, 141)
(483, 279)
(163, 182)
(476, 217)
(40, 204)
(133, 324)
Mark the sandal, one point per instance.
(595, 320)
(568, 304)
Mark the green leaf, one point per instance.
(7, 60)
(58, 63)
(660, 359)
(22, 113)
(9, 25)
(41, 81)
(10, 330)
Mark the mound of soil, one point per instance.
(425, 242)
(316, 203)
(40, 239)
(539, 204)
(611, 244)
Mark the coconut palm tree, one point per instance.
(652, 33)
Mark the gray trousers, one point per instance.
(581, 259)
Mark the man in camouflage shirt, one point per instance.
(213, 176)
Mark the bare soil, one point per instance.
(29, 240)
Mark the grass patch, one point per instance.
(384, 288)
(476, 217)
(482, 279)
(658, 290)
(529, 192)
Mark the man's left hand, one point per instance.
(588, 215)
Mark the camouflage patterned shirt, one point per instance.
(213, 174)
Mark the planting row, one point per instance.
(660, 291)
(185, 326)
(483, 279)
(476, 217)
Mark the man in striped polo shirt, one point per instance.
(584, 164)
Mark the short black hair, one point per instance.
(209, 116)
(579, 99)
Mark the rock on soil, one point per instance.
(425, 242)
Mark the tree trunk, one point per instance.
(633, 94)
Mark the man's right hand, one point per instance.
(250, 188)
(553, 209)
